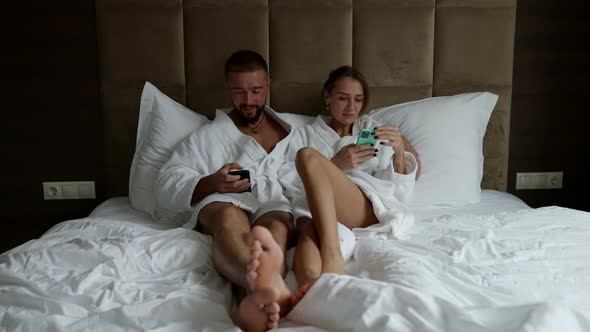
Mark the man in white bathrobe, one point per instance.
(250, 136)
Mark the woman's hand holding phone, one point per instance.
(352, 155)
(391, 136)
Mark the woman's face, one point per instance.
(345, 100)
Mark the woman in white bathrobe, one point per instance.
(331, 180)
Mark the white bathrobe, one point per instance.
(206, 151)
(376, 178)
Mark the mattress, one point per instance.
(497, 265)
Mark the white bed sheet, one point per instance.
(491, 201)
(525, 270)
(493, 266)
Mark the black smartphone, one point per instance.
(244, 174)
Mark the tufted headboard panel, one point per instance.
(407, 50)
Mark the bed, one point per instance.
(475, 259)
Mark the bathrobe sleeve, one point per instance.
(288, 176)
(404, 183)
(179, 176)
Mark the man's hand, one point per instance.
(351, 156)
(220, 182)
(223, 182)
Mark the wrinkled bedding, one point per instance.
(515, 271)
(474, 269)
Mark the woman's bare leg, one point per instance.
(332, 197)
(307, 262)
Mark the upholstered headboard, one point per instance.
(407, 49)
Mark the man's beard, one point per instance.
(252, 119)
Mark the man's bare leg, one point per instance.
(332, 197)
(264, 272)
(264, 269)
(307, 262)
(230, 228)
(280, 225)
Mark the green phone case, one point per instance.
(366, 136)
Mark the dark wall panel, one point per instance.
(549, 130)
(51, 129)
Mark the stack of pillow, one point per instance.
(447, 132)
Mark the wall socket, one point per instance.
(68, 190)
(539, 180)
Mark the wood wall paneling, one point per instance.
(52, 126)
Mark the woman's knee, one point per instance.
(307, 158)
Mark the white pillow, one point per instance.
(298, 120)
(447, 133)
(163, 123)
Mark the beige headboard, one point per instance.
(407, 49)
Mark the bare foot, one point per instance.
(254, 316)
(264, 269)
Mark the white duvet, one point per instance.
(524, 270)
(97, 274)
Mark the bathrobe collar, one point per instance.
(254, 149)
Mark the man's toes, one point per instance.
(262, 235)
(272, 308)
(251, 277)
(256, 246)
(255, 253)
(253, 264)
(273, 321)
(265, 296)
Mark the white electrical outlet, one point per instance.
(68, 190)
(539, 180)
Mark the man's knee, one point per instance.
(222, 217)
(276, 219)
(278, 223)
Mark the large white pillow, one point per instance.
(447, 133)
(163, 123)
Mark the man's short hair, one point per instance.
(245, 61)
